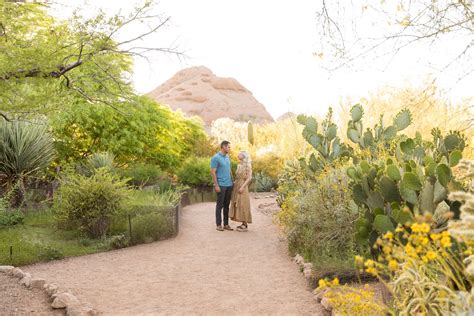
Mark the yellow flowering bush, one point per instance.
(346, 300)
(425, 270)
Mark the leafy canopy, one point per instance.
(46, 63)
(142, 131)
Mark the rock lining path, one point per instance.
(201, 271)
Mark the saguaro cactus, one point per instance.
(250, 133)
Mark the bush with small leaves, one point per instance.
(196, 172)
(88, 203)
(141, 174)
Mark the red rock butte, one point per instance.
(198, 92)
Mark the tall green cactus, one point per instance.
(326, 142)
(415, 181)
(371, 138)
(250, 133)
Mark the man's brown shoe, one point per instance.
(219, 228)
(227, 227)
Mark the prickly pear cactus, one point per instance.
(325, 141)
(379, 135)
(394, 190)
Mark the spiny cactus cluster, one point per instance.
(379, 134)
(326, 142)
(415, 181)
(443, 146)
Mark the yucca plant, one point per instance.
(99, 160)
(25, 149)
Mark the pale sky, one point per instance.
(268, 46)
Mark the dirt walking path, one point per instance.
(202, 271)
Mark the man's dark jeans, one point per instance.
(223, 202)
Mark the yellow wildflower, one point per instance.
(335, 281)
(425, 228)
(399, 229)
(388, 235)
(359, 259)
(369, 263)
(431, 255)
(435, 237)
(420, 228)
(424, 241)
(446, 241)
(387, 250)
(372, 271)
(468, 252)
(393, 265)
(410, 251)
(322, 283)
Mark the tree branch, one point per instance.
(32, 73)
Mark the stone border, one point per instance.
(307, 270)
(61, 298)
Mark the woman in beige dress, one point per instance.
(240, 203)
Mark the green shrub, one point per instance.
(319, 217)
(291, 178)
(196, 172)
(88, 203)
(8, 218)
(50, 253)
(269, 164)
(140, 174)
(152, 226)
(166, 199)
(151, 214)
(118, 241)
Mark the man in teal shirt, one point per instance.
(222, 178)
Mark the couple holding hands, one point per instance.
(232, 194)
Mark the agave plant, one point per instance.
(25, 150)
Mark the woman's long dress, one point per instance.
(240, 203)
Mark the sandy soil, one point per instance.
(16, 299)
(202, 271)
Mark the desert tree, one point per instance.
(46, 62)
(354, 30)
(361, 34)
